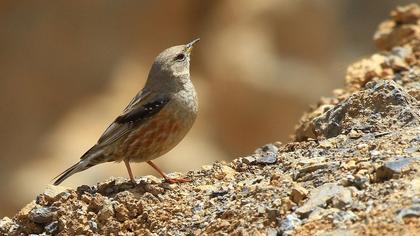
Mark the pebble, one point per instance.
(42, 214)
(51, 192)
(106, 212)
(207, 167)
(52, 228)
(326, 143)
(272, 214)
(298, 194)
(289, 223)
(227, 172)
(342, 199)
(7, 225)
(410, 211)
(411, 149)
(93, 225)
(85, 189)
(267, 154)
(218, 193)
(267, 159)
(337, 232)
(312, 168)
(319, 197)
(272, 232)
(342, 217)
(248, 160)
(394, 168)
(320, 213)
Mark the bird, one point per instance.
(155, 121)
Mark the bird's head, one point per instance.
(172, 64)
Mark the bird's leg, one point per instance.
(127, 164)
(167, 178)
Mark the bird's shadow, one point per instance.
(113, 186)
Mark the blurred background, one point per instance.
(68, 68)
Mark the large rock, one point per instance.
(382, 106)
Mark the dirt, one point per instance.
(353, 169)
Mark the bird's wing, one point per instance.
(143, 106)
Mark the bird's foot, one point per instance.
(177, 180)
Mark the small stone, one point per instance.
(121, 212)
(42, 215)
(397, 63)
(415, 185)
(267, 154)
(350, 165)
(267, 159)
(261, 210)
(289, 223)
(362, 146)
(277, 179)
(218, 193)
(198, 207)
(360, 181)
(272, 214)
(410, 211)
(401, 52)
(326, 143)
(272, 232)
(248, 160)
(320, 213)
(51, 192)
(342, 199)
(406, 14)
(7, 225)
(298, 194)
(153, 179)
(93, 225)
(107, 187)
(224, 223)
(336, 232)
(85, 189)
(354, 134)
(96, 202)
(320, 196)
(286, 205)
(311, 168)
(228, 172)
(86, 198)
(393, 169)
(207, 167)
(411, 149)
(106, 212)
(343, 217)
(52, 228)
(204, 188)
(375, 153)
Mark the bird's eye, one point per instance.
(180, 57)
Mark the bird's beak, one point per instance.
(190, 45)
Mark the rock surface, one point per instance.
(352, 170)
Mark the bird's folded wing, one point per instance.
(143, 106)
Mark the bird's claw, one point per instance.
(177, 180)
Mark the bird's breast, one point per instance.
(160, 133)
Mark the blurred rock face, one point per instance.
(69, 68)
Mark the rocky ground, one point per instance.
(353, 169)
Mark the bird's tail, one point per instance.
(89, 159)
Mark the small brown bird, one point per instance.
(155, 120)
